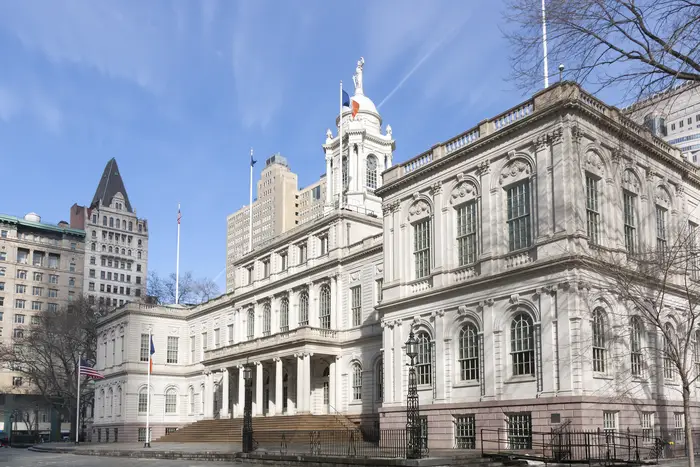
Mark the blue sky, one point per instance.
(178, 91)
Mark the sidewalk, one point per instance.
(184, 451)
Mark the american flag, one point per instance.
(179, 215)
(87, 370)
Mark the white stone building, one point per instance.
(302, 312)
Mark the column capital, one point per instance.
(277, 359)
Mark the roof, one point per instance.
(111, 183)
(41, 225)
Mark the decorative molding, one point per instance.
(436, 188)
(355, 276)
(436, 313)
(514, 299)
(174, 331)
(484, 168)
(662, 196)
(540, 142)
(555, 136)
(484, 303)
(576, 134)
(395, 205)
(464, 191)
(650, 174)
(515, 169)
(594, 163)
(418, 210)
(630, 180)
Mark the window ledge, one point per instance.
(604, 376)
(466, 384)
(520, 379)
(425, 387)
(355, 403)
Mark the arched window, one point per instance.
(170, 401)
(356, 382)
(123, 251)
(599, 344)
(251, 323)
(129, 252)
(109, 249)
(111, 221)
(94, 234)
(102, 403)
(379, 380)
(118, 224)
(371, 171)
(140, 243)
(304, 309)
(93, 247)
(421, 247)
(110, 401)
(104, 248)
(324, 314)
(131, 226)
(469, 353)
(636, 343)
(104, 220)
(345, 173)
(143, 400)
(522, 345)
(138, 255)
(267, 319)
(669, 341)
(284, 315)
(191, 399)
(119, 400)
(424, 359)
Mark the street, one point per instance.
(25, 458)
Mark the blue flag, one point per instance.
(252, 161)
(346, 99)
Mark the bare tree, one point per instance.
(643, 46)
(47, 353)
(190, 291)
(659, 293)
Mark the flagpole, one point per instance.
(340, 157)
(250, 206)
(177, 260)
(544, 45)
(77, 409)
(147, 444)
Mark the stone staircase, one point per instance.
(265, 429)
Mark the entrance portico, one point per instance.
(300, 383)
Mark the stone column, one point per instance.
(300, 382)
(307, 382)
(241, 392)
(388, 361)
(225, 393)
(541, 189)
(208, 395)
(279, 377)
(438, 260)
(258, 389)
(440, 350)
(332, 383)
(329, 180)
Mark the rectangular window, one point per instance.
(421, 248)
(629, 201)
(380, 290)
(3, 256)
(466, 233)
(145, 348)
(356, 305)
(19, 319)
(610, 421)
(302, 253)
(217, 338)
(283, 261)
(54, 260)
(266, 268)
(71, 267)
(143, 404)
(22, 256)
(19, 303)
(37, 291)
(519, 235)
(53, 293)
(592, 210)
(205, 343)
(660, 230)
(465, 431)
(230, 333)
(53, 279)
(3, 233)
(323, 240)
(679, 427)
(19, 288)
(53, 307)
(193, 349)
(38, 277)
(17, 381)
(21, 274)
(36, 306)
(520, 430)
(648, 426)
(173, 348)
(18, 333)
(250, 269)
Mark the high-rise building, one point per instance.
(116, 252)
(310, 200)
(673, 116)
(41, 269)
(274, 211)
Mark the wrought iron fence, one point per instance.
(598, 446)
(341, 443)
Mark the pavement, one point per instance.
(24, 458)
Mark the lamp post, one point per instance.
(12, 421)
(414, 446)
(248, 410)
(36, 422)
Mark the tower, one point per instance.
(353, 176)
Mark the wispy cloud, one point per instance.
(9, 104)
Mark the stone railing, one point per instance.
(465, 273)
(557, 93)
(421, 285)
(521, 257)
(301, 335)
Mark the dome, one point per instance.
(366, 104)
(33, 217)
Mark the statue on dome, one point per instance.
(357, 77)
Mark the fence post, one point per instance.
(629, 444)
(482, 441)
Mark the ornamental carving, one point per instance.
(484, 168)
(463, 192)
(680, 190)
(387, 209)
(436, 188)
(355, 276)
(650, 175)
(515, 299)
(515, 169)
(662, 196)
(418, 210)
(555, 136)
(593, 162)
(540, 142)
(630, 181)
(576, 134)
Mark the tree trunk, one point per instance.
(688, 426)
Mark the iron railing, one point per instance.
(568, 446)
(333, 443)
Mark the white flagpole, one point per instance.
(250, 206)
(340, 156)
(148, 394)
(544, 45)
(177, 261)
(77, 409)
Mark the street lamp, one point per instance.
(248, 410)
(12, 420)
(36, 422)
(412, 404)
